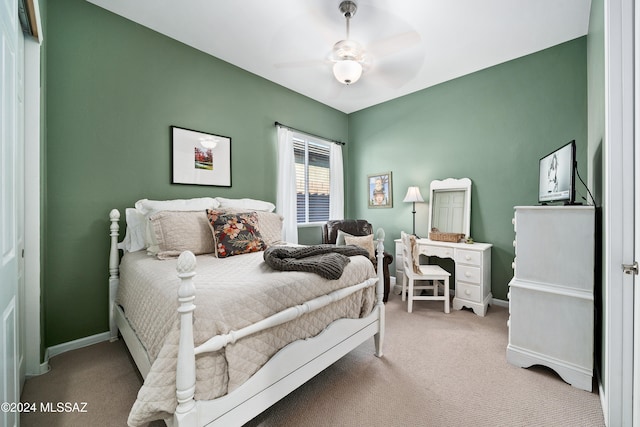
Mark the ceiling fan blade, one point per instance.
(392, 44)
(305, 63)
(319, 35)
(386, 80)
(326, 25)
(395, 72)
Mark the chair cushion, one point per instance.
(432, 270)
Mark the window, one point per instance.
(313, 179)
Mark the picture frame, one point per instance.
(380, 190)
(200, 158)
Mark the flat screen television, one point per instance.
(557, 176)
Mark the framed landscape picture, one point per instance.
(200, 158)
(379, 188)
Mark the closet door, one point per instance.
(11, 212)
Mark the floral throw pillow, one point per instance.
(235, 233)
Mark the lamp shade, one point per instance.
(347, 71)
(413, 195)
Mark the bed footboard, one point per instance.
(379, 337)
(186, 414)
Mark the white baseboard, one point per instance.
(74, 345)
(494, 301)
(43, 368)
(67, 346)
(500, 302)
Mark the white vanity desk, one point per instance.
(450, 212)
(472, 270)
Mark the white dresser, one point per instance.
(551, 317)
(472, 271)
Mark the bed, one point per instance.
(219, 340)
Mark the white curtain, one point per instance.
(336, 184)
(286, 198)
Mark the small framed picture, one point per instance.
(200, 158)
(380, 190)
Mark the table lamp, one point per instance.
(413, 196)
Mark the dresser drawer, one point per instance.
(436, 251)
(468, 292)
(468, 257)
(468, 274)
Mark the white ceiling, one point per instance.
(288, 41)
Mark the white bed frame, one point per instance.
(291, 367)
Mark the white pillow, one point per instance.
(249, 204)
(146, 206)
(270, 225)
(365, 242)
(178, 231)
(135, 237)
(139, 233)
(340, 238)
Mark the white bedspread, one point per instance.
(231, 293)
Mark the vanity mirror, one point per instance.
(450, 205)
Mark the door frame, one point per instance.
(636, 230)
(618, 213)
(32, 196)
(11, 213)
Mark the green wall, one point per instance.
(113, 90)
(491, 126)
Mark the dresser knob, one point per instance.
(468, 258)
(467, 292)
(513, 265)
(467, 274)
(514, 243)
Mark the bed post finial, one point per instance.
(379, 337)
(186, 369)
(114, 273)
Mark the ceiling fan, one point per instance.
(348, 55)
(349, 59)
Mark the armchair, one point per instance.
(357, 227)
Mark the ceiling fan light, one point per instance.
(347, 71)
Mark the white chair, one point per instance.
(434, 275)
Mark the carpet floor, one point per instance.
(438, 370)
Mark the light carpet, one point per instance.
(438, 370)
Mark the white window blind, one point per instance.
(313, 179)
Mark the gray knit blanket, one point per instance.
(327, 261)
